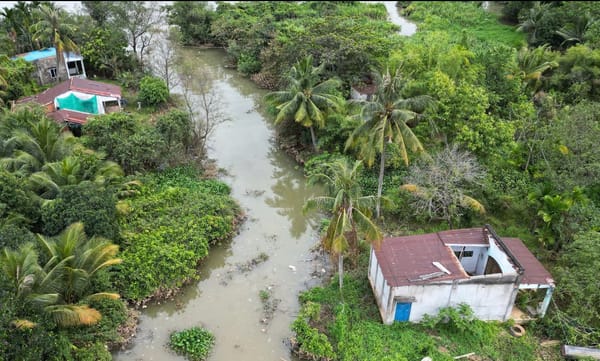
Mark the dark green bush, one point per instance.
(153, 91)
(194, 343)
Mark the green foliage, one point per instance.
(86, 203)
(311, 342)
(96, 352)
(167, 229)
(194, 20)
(130, 141)
(17, 205)
(576, 319)
(463, 19)
(15, 79)
(153, 91)
(104, 52)
(349, 37)
(175, 127)
(194, 343)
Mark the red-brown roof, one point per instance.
(535, 273)
(404, 259)
(464, 236)
(74, 84)
(64, 115)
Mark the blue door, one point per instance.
(402, 311)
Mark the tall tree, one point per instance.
(385, 120)
(350, 211)
(53, 28)
(140, 19)
(307, 99)
(439, 184)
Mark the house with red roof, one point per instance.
(412, 276)
(74, 100)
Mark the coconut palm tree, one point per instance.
(39, 142)
(307, 99)
(384, 120)
(82, 259)
(533, 64)
(51, 27)
(350, 211)
(530, 24)
(62, 286)
(69, 171)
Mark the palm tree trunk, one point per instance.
(314, 139)
(380, 183)
(341, 270)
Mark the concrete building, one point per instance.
(45, 64)
(416, 275)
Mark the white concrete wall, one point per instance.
(488, 301)
(501, 257)
(470, 264)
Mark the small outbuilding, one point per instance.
(412, 276)
(46, 72)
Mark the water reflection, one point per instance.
(289, 193)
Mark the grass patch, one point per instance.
(463, 17)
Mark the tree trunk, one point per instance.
(380, 183)
(341, 270)
(58, 61)
(314, 139)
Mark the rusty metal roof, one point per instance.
(464, 236)
(404, 259)
(74, 84)
(65, 115)
(534, 273)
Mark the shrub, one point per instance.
(153, 91)
(194, 343)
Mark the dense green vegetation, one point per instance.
(93, 226)
(123, 212)
(513, 108)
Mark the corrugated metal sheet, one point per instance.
(535, 273)
(404, 259)
(464, 236)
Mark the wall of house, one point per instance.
(43, 70)
(381, 289)
(501, 257)
(489, 296)
(470, 264)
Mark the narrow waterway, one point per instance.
(270, 188)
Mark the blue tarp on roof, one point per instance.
(39, 54)
(45, 53)
(72, 102)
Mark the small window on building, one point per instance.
(464, 254)
(52, 72)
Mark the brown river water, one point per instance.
(270, 187)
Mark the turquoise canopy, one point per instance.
(72, 102)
